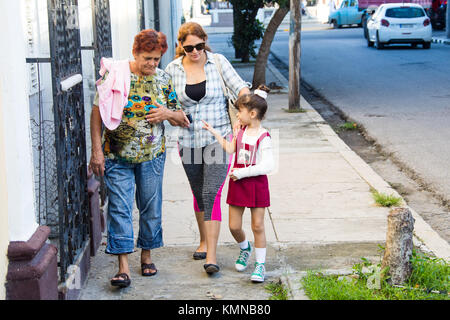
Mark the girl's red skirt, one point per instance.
(251, 192)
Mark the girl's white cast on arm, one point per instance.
(264, 162)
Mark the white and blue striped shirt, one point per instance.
(213, 107)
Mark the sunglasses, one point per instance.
(198, 46)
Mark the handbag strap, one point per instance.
(222, 82)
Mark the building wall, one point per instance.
(125, 21)
(170, 21)
(17, 214)
(4, 233)
(124, 26)
(18, 156)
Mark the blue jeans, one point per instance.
(121, 179)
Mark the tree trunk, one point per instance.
(294, 56)
(399, 245)
(259, 75)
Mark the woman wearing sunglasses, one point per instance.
(197, 82)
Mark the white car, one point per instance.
(396, 23)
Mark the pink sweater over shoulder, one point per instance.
(113, 92)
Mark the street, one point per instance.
(400, 94)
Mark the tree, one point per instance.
(247, 28)
(259, 75)
(294, 57)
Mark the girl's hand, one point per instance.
(232, 176)
(208, 127)
(236, 128)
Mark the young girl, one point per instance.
(248, 186)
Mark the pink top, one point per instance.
(113, 92)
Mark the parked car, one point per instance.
(397, 23)
(351, 12)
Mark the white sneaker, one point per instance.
(259, 273)
(242, 262)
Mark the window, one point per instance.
(405, 12)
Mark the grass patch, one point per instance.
(385, 200)
(348, 126)
(430, 280)
(277, 290)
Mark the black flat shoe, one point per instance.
(150, 266)
(121, 283)
(199, 255)
(211, 268)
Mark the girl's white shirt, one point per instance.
(264, 156)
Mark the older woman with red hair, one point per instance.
(132, 101)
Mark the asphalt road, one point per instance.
(400, 95)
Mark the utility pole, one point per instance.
(294, 55)
(447, 26)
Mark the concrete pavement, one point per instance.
(322, 217)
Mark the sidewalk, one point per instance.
(322, 217)
(440, 37)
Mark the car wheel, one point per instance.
(364, 25)
(426, 45)
(369, 43)
(335, 24)
(378, 44)
(414, 45)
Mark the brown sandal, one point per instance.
(121, 283)
(148, 266)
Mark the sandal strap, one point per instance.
(148, 266)
(122, 275)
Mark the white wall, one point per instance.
(124, 26)
(16, 129)
(4, 233)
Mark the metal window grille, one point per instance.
(70, 143)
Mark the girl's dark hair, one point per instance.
(254, 102)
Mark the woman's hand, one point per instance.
(158, 114)
(97, 163)
(186, 123)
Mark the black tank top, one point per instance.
(196, 91)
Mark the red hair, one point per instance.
(149, 40)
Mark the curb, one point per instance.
(441, 40)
